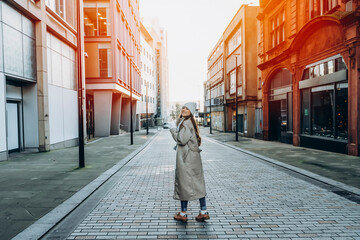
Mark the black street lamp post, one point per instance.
(131, 114)
(80, 90)
(236, 100)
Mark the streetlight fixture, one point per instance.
(80, 89)
(131, 115)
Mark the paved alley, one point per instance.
(247, 199)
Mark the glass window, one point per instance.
(305, 111)
(232, 82)
(322, 111)
(96, 19)
(312, 74)
(341, 111)
(316, 71)
(306, 74)
(13, 51)
(289, 112)
(321, 69)
(90, 22)
(330, 66)
(339, 64)
(102, 22)
(283, 114)
(105, 60)
(64, 8)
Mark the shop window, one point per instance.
(277, 29)
(96, 19)
(289, 112)
(341, 111)
(283, 115)
(322, 105)
(305, 111)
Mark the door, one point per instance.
(241, 123)
(274, 120)
(13, 133)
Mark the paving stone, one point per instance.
(246, 198)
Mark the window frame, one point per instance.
(277, 28)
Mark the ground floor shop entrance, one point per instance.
(13, 126)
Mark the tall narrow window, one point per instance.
(97, 19)
(277, 29)
(105, 60)
(64, 8)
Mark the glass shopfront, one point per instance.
(324, 100)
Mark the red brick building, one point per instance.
(310, 60)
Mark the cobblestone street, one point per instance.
(246, 198)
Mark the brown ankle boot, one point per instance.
(178, 217)
(202, 217)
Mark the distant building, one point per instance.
(162, 73)
(146, 107)
(38, 83)
(214, 88)
(112, 44)
(309, 62)
(237, 45)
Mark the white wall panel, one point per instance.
(56, 68)
(56, 114)
(70, 114)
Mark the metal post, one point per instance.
(131, 116)
(236, 100)
(80, 88)
(147, 111)
(210, 109)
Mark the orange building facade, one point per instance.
(112, 46)
(310, 67)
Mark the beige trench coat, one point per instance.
(189, 174)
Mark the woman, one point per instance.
(189, 175)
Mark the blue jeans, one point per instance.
(202, 204)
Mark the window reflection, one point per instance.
(325, 68)
(90, 22)
(96, 19)
(105, 60)
(342, 110)
(322, 111)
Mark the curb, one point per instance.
(42, 226)
(306, 173)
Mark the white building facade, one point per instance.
(147, 104)
(38, 84)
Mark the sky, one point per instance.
(193, 28)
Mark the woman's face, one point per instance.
(185, 112)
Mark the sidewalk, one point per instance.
(32, 184)
(339, 167)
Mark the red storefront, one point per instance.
(310, 74)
